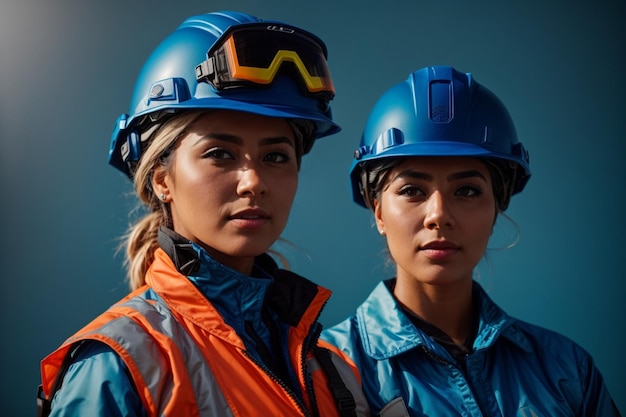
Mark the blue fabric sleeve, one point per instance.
(97, 384)
(596, 401)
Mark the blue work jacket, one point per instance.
(515, 368)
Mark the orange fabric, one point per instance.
(247, 388)
(52, 363)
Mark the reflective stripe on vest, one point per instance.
(195, 390)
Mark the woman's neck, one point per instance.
(448, 307)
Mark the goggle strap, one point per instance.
(205, 70)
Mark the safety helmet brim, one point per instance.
(324, 126)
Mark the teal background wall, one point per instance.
(67, 69)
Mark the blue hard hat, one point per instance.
(439, 111)
(174, 78)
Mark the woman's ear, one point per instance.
(160, 183)
(378, 216)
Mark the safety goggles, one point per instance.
(253, 55)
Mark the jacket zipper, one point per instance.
(435, 357)
(445, 362)
(307, 346)
(280, 382)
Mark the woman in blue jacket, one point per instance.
(439, 161)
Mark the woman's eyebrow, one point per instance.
(227, 137)
(413, 174)
(418, 175)
(466, 174)
(276, 140)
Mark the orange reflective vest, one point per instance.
(186, 361)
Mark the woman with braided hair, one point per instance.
(223, 111)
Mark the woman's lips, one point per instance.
(440, 250)
(250, 218)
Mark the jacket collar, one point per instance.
(495, 323)
(237, 297)
(386, 331)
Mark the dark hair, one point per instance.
(503, 178)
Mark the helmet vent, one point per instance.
(441, 104)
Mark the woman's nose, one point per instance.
(251, 182)
(437, 213)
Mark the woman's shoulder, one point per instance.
(99, 379)
(96, 358)
(341, 333)
(379, 298)
(368, 327)
(551, 344)
(526, 335)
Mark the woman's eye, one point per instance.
(469, 191)
(278, 157)
(410, 191)
(217, 153)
